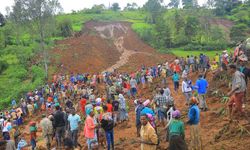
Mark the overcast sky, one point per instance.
(69, 5)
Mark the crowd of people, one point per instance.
(94, 104)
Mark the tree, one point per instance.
(179, 21)
(98, 8)
(191, 27)
(223, 7)
(115, 7)
(238, 33)
(189, 3)
(132, 6)
(163, 36)
(174, 3)
(39, 14)
(66, 28)
(2, 20)
(210, 3)
(154, 8)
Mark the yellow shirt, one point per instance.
(217, 58)
(148, 135)
(214, 67)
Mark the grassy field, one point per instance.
(78, 19)
(183, 53)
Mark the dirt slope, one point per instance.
(104, 46)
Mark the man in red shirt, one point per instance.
(82, 102)
(110, 107)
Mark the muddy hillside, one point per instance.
(104, 46)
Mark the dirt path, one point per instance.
(108, 32)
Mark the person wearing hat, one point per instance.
(176, 133)
(47, 130)
(194, 119)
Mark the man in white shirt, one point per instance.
(187, 89)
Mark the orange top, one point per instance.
(110, 107)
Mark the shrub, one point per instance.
(65, 28)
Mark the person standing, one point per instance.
(176, 79)
(202, 85)
(74, 123)
(122, 108)
(7, 126)
(59, 124)
(33, 130)
(138, 110)
(115, 105)
(238, 90)
(194, 119)
(246, 71)
(177, 133)
(47, 130)
(187, 89)
(149, 139)
(133, 85)
(162, 104)
(89, 130)
(107, 124)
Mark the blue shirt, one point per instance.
(201, 85)
(74, 121)
(176, 77)
(194, 115)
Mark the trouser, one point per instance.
(74, 137)
(188, 95)
(176, 85)
(161, 115)
(195, 143)
(60, 132)
(237, 100)
(33, 143)
(115, 116)
(48, 139)
(6, 136)
(202, 99)
(133, 91)
(138, 128)
(122, 113)
(110, 139)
